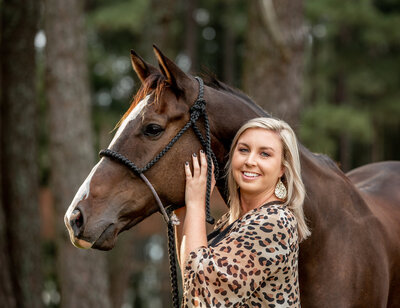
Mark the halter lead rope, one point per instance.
(197, 110)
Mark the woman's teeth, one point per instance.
(250, 174)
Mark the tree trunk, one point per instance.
(120, 267)
(21, 277)
(273, 68)
(6, 293)
(228, 63)
(377, 141)
(7, 297)
(161, 31)
(82, 274)
(190, 43)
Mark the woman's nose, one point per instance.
(250, 160)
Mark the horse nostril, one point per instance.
(76, 221)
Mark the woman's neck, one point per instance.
(249, 202)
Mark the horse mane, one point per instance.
(329, 162)
(211, 81)
(155, 82)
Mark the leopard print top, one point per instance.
(253, 265)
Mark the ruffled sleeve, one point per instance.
(252, 253)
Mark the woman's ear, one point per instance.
(283, 169)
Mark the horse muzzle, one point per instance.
(102, 236)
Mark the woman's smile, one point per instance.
(250, 175)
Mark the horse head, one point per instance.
(112, 198)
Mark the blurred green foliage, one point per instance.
(322, 123)
(352, 66)
(352, 79)
(120, 15)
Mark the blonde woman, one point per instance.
(250, 259)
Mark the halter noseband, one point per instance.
(198, 109)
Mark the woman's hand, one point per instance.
(191, 233)
(196, 183)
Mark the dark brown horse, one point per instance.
(352, 258)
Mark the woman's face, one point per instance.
(257, 161)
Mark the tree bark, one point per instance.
(160, 31)
(6, 293)
(21, 277)
(273, 69)
(120, 267)
(7, 297)
(190, 43)
(228, 62)
(82, 274)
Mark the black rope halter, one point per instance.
(197, 110)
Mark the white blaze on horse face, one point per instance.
(82, 193)
(132, 116)
(84, 190)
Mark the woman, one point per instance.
(251, 258)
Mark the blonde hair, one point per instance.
(292, 174)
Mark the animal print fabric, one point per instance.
(254, 265)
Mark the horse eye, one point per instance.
(152, 130)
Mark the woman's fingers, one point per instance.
(188, 172)
(203, 162)
(196, 165)
(199, 166)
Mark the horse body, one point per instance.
(352, 258)
(378, 184)
(348, 259)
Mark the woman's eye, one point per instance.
(152, 130)
(264, 154)
(243, 150)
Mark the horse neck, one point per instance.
(228, 112)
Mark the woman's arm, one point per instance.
(194, 226)
(191, 234)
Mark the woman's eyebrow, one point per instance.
(263, 148)
(267, 148)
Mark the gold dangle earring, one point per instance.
(280, 190)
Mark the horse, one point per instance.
(352, 258)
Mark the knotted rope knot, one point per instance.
(197, 110)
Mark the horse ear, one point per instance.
(173, 74)
(142, 69)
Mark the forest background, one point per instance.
(330, 68)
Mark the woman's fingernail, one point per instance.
(194, 155)
(201, 151)
(187, 163)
